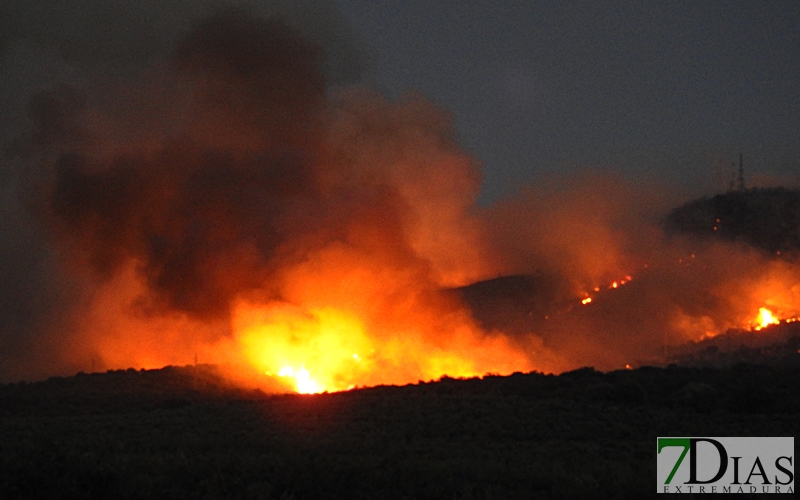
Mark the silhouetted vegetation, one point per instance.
(180, 432)
(777, 345)
(764, 218)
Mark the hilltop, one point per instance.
(768, 219)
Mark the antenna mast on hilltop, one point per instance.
(740, 182)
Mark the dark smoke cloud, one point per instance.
(120, 35)
(159, 184)
(90, 90)
(229, 170)
(200, 215)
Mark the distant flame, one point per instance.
(765, 318)
(611, 286)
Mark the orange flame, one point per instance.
(315, 349)
(765, 318)
(612, 286)
(303, 381)
(330, 349)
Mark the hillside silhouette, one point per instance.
(181, 432)
(768, 219)
(514, 304)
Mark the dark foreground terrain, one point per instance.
(179, 432)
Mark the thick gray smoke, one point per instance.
(175, 171)
(64, 66)
(201, 214)
(227, 170)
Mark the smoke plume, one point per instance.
(623, 291)
(229, 174)
(217, 193)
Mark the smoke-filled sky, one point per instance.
(672, 90)
(300, 185)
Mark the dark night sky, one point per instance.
(671, 90)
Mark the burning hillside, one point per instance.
(235, 210)
(226, 205)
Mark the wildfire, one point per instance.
(765, 318)
(284, 340)
(303, 381)
(611, 286)
(329, 349)
(309, 235)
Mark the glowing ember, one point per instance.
(612, 286)
(765, 318)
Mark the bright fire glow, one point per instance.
(765, 318)
(329, 349)
(303, 381)
(338, 279)
(285, 340)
